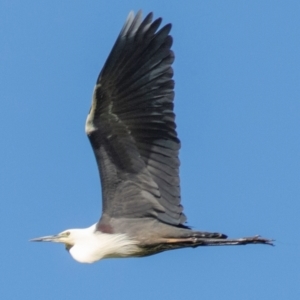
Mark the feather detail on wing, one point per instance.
(131, 125)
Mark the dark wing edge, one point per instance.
(131, 125)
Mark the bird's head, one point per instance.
(66, 237)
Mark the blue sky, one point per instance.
(237, 73)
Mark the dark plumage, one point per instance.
(133, 131)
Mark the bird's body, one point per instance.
(132, 130)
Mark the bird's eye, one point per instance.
(67, 233)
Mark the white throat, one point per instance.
(90, 246)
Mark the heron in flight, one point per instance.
(132, 130)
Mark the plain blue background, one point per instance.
(237, 73)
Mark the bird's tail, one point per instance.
(215, 239)
(208, 235)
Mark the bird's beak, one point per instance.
(48, 238)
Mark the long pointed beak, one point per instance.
(48, 238)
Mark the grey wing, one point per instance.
(131, 125)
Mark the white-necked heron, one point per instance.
(131, 127)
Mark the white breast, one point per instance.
(94, 246)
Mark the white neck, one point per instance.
(90, 246)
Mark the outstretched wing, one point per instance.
(131, 125)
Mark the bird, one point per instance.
(132, 130)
